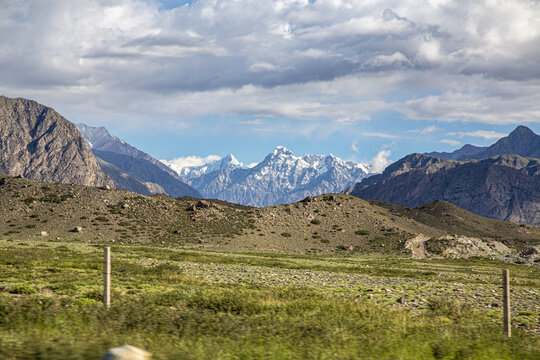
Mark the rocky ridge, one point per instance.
(522, 141)
(501, 181)
(38, 143)
(132, 169)
(505, 187)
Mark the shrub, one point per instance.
(29, 200)
(362, 232)
(316, 221)
(437, 246)
(24, 289)
(286, 234)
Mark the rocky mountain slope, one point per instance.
(280, 178)
(465, 150)
(132, 169)
(522, 141)
(329, 223)
(38, 143)
(505, 187)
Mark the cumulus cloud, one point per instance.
(381, 161)
(189, 161)
(475, 61)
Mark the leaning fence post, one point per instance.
(506, 302)
(107, 277)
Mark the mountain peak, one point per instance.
(522, 141)
(231, 159)
(521, 131)
(281, 150)
(43, 145)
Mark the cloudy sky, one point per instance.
(365, 80)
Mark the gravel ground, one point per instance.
(481, 290)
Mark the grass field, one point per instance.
(196, 304)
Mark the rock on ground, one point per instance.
(126, 352)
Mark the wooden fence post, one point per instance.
(506, 302)
(107, 278)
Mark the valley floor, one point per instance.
(201, 304)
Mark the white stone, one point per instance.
(126, 352)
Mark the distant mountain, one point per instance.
(132, 169)
(466, 150)
(505, 187)
(280, 178)
(38, 143)
(522, 141)
(124, 180)
(191, 173)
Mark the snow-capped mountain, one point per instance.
(280, 178)
(189, 173)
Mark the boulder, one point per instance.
(203, 204)
(126, 352)
(307, 199)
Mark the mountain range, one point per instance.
(501, 181)
(132, 169)
(280, 178)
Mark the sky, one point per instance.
(368, 81)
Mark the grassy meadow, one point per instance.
(196, 304)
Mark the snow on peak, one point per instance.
(195, 171)
(231, 159)
(280, 177)
(282, 150)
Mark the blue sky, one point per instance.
(208, 77)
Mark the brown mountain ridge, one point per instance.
(332, 223)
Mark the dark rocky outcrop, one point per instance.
(38, 143)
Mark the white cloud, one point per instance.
(380, 61)
(381, 135)
(354, 146)
(474, 61)
(450, 142)
(189, 161)
(479, 133)
(381, 161)
(426, 130)
(250, 122)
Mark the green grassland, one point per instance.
(200, 304)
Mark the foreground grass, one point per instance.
(50, 293)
